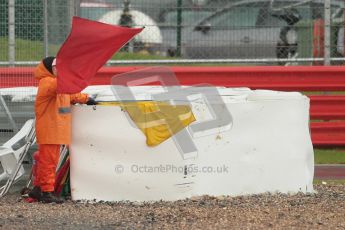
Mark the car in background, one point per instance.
(168, 17)
(252, 29)
(246, 29)
(168, 24)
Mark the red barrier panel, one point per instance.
(289, 78)
(292, 78)
(325, 134)
(286, 78)
(17, 77)
(327, 107)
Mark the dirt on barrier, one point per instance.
(322, 210)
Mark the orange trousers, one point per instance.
(46, 166)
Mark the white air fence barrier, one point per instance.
(267, 148)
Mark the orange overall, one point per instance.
(53, 124)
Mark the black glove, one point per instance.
(91, 101)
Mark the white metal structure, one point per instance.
(12, 154)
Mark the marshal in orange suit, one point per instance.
(53, 127)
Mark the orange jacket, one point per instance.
(52, 110)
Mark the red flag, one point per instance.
(88, 47)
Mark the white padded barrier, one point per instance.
(267, 148)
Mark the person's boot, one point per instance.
(49, 197)
(35, 193)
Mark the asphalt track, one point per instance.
(330, 172)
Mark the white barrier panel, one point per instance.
(267, 148)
